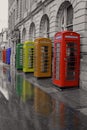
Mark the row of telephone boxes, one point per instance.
(63, 67)
(6, 53)
(35, 57)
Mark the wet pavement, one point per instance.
(28, 103)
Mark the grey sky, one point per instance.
(3, 14)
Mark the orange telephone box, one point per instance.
(42, 57)
(66, 64)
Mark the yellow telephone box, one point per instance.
(42, 57)
(28, 52)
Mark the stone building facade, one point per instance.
(3, 40)
(29, 19)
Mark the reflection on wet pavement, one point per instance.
(42, 102)
(25, 106)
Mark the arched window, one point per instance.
(44, 26)
(32, 32)
(65, 17)
(24, 35)
(17, 34)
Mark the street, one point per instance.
(30, 103)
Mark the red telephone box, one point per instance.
(66, 63)
(4, 56)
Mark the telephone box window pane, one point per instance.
(71, 60)
(57, 61)
(44, 59)
(31, 57)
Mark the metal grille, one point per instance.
(44, 59)
(71, 60)
(31, 52)
(21, 56)
(57, 60)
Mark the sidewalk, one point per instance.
(74, 97)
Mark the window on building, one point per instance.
(14, 18)
(32, 32)
(7, 35)
(17, 8)
(26, 5)
(33, 1)
(70, 16)
(11, 20)
(24, 35)
(44, 26)
(65, 17)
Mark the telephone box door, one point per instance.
(57, 61)
(71, 61)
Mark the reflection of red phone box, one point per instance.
(66, 63)
(4, 55)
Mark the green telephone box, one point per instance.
(19, 56)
